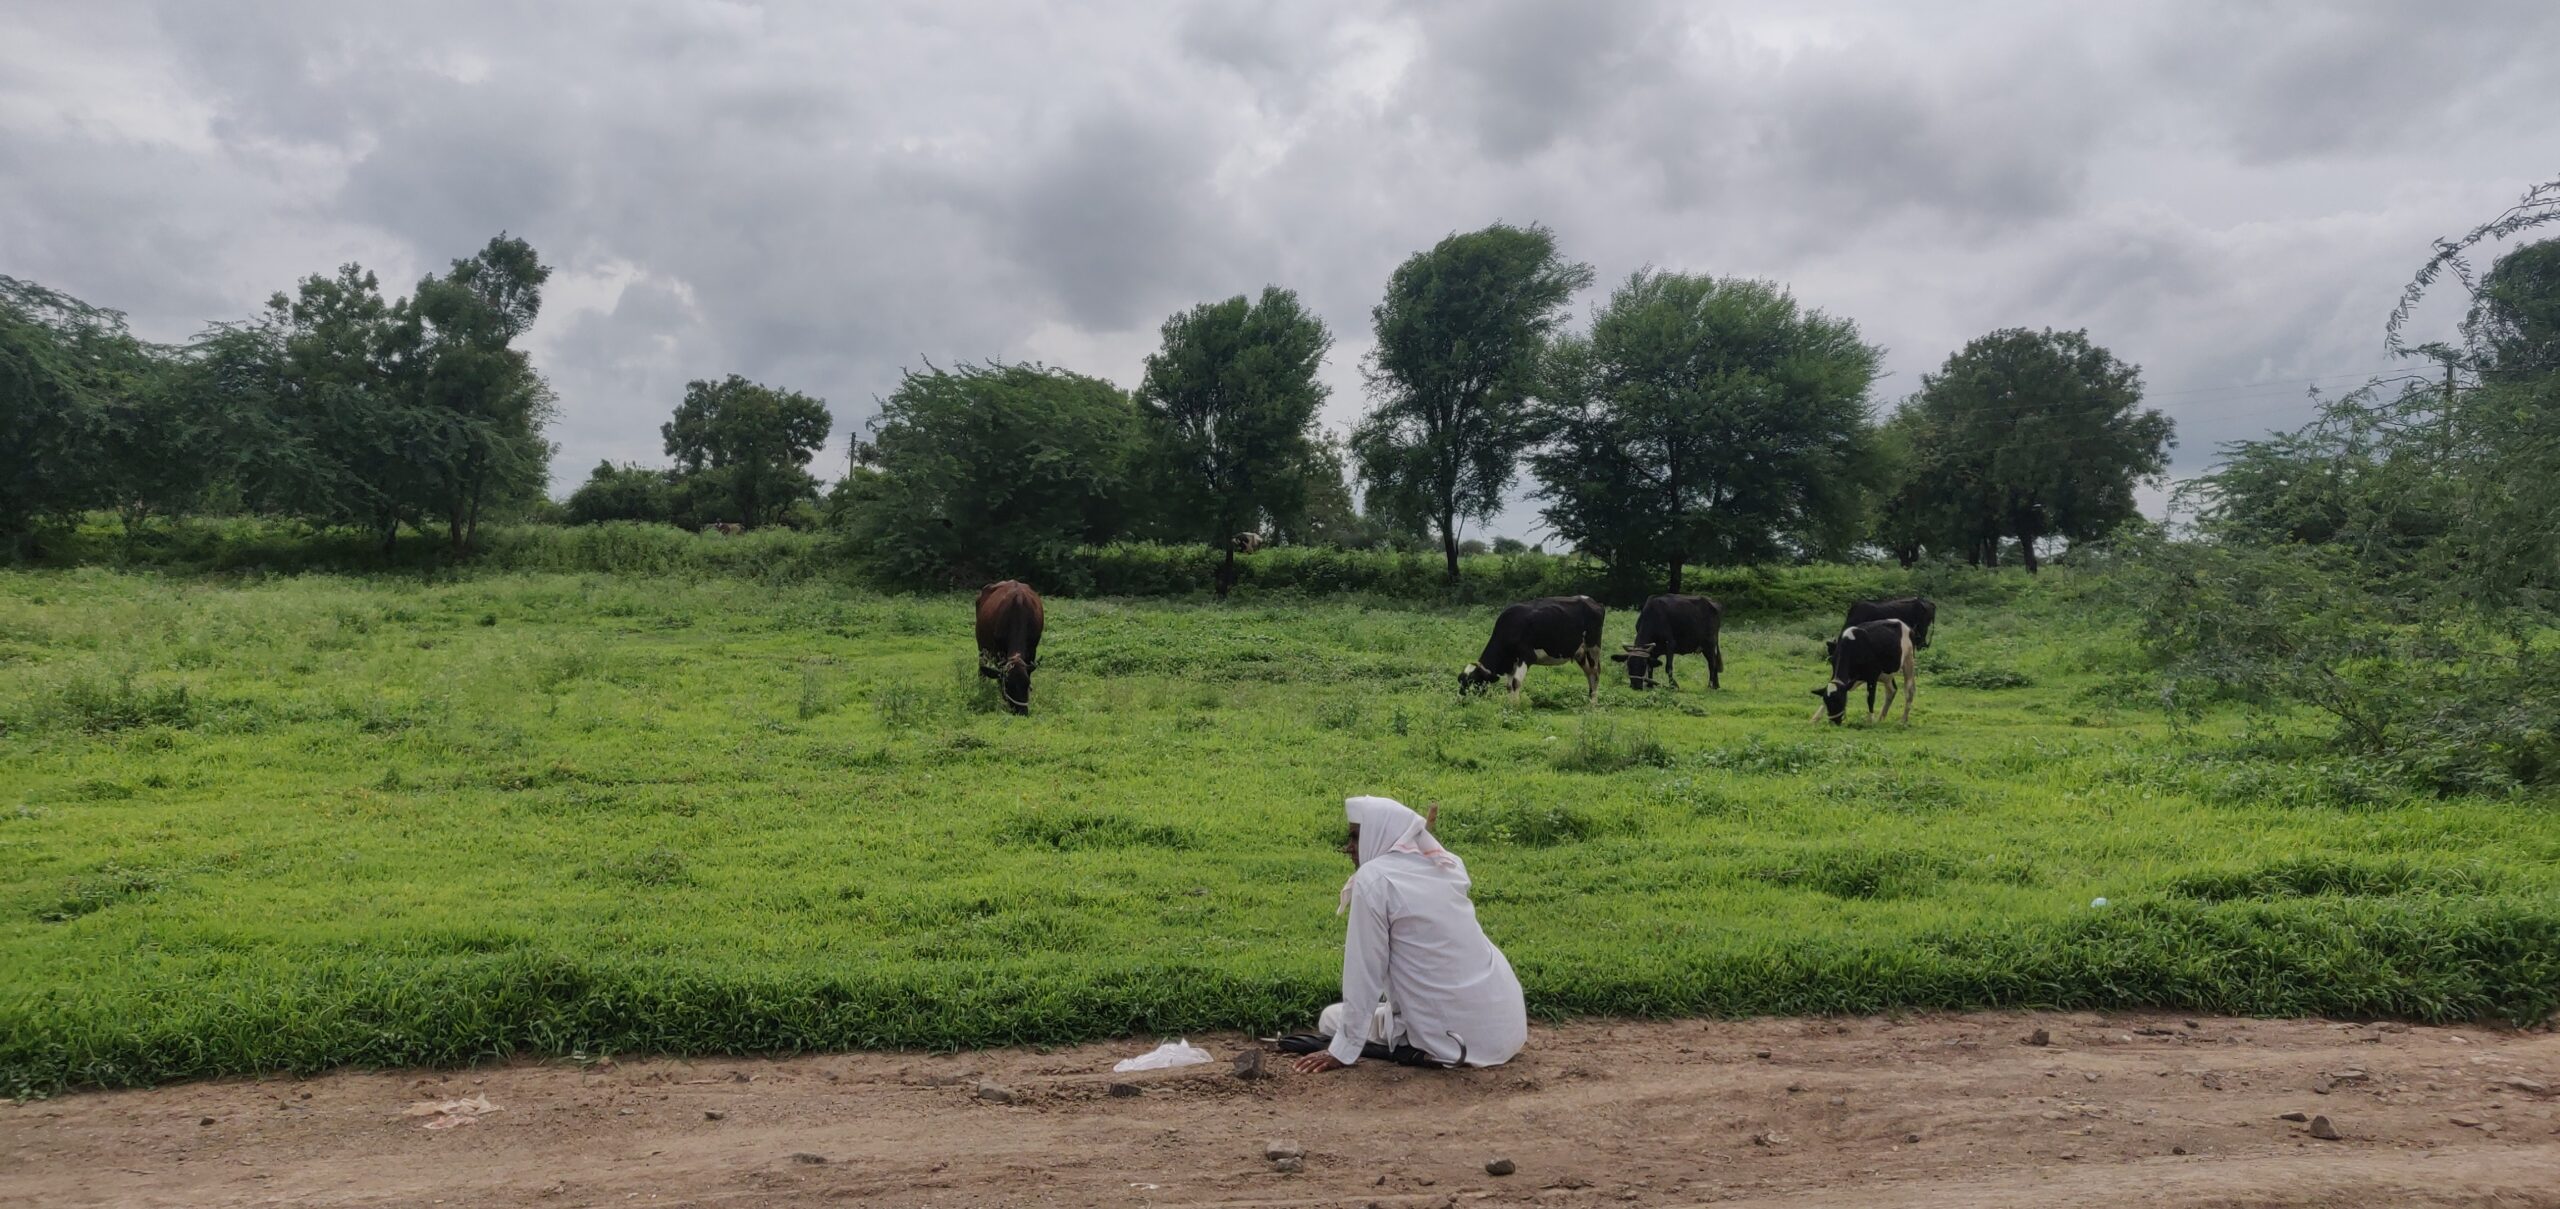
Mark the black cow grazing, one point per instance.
(1914, 611)
(1864, 654)
(1010, 617)
(1546, 632)
(1674, 625)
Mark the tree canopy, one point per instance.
(746, 446)
(2027, 435)
(1707, 419)
(1228, 410)
(1460, 338)
(994, 471)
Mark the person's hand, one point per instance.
(1318, 1063)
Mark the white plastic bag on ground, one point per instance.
(1164, 1057)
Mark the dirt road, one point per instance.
(2118, 1110)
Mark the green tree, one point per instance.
(478, 403)
(77, 393)
(1706, 419)
(1228, 413)
(623, 493)
(747, 446)
(2518, 318)
(2031, 435)
(1460, 337)
(995, 471)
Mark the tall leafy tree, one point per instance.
(1460, 336)
(994, 471)
(747, 446)
(2030, 435)
(1706, 419)
(1228, 410)
(67, 369)
(476, 399)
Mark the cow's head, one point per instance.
(1640, 663)
(1835, 701)
(1013, 677)
(1473, 677)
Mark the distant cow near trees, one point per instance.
(1545, 632)
(1918, 612)
(1674, 625)
(1010, 617)
(1865, 654)
(723, 529)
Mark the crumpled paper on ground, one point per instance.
(1169, 1054)
(446, 1114)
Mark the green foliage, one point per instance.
(1705, 419)
(624, 493)
(612, 828)
(1227, 412)
(742, 450)
(73, 425)
(1459, 338)
(2024, 435)
(996, 472)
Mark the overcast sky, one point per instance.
(815, 196)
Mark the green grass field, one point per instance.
(303, 822)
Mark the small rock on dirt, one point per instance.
(2039, 1037)
(2520, 1083)
(814, 1160)
(2467, 1122)
(205, 1121)
(1124, 1091)
(2293, 1116)
(1911, 1139)
(714, 1114)
(1289, 1166)
(1769, 1138)
(1501, 1167)
(995, 1092)
(1249, 1064)
(2212, 1081)
(2177, 1150)
(1282, 1148)
(2322, 1129)
(1839, 1101)
(1759, 1053)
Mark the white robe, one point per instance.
(1414, 942)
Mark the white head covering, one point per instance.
(1387, 826)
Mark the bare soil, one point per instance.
(2117, 1110)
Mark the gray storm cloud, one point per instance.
(819, 195)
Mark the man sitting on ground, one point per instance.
(1421, 985)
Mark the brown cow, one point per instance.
(723, 529)
(1010, 617)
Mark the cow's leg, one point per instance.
(1715, 663)
(1871, 701)
(1519, 675)
(1888, 696)
(1589, 658)
(1910, 682)
(1667, 677)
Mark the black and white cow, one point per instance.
(1864, 654)
(1674, 625)
(1914, 611)
(1546, 632)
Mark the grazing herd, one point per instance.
(1877, 643)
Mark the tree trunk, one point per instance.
(1676, 568)
(1449, 543)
